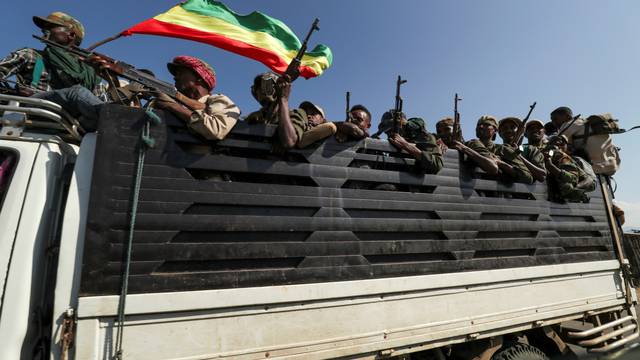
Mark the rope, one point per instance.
(146, 142)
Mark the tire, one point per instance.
(519, 351)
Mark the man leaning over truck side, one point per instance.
(54, 74)
(481, 150)
(196, 79)
(514, 167)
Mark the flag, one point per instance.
(256, 35)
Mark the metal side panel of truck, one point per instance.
(242, 254)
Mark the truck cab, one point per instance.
(241, 253)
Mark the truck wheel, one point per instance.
(519, 351)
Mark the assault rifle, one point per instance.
(348, 112)
(520, 135)
(128, 72)
(293, 70)
(456, 133)
(396, 125)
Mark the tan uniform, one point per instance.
(217, 119)
(602, 153)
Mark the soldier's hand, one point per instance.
(398, 141)
(100, 63)
(284, 86)
(160, 96)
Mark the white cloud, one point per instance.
(631, 214)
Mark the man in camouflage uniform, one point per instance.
(513, 166)
(568, 180)
(272, 92)
(55, 75)
(415, 140)
(533, 151)
(481, 150)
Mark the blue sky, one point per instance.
(500, 56)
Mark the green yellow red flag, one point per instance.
(255, 35)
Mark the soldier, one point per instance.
(195, 79)
(416, 140)
(55, 75)
(515, 167)
(570, 179)
(272, 92)
(357, 127)
(317, 125)
(532, 152)
(481, 150)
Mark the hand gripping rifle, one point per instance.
(457, 132)
(293, 70)
(520, 135)
(129, 72)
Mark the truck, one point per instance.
(238, 252)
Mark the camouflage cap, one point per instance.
(387, 119)
(445, 122)
(510, 119)
(533, 122)
(60, 19)
(489, 120)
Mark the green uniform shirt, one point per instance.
(510, 155)
(431, 160)
(534, 155)
(298, 120)
(566, 182)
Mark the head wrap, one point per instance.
(61, 19)
(201, 68)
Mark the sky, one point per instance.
(499, 55)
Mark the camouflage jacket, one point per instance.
(506, 153)
(564, 186)
(431, 160)
(534, 155)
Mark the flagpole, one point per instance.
(102, 42)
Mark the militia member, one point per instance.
(514, 167)
(357, 127)
(568, 177)
(195, 79)
(54, 74)
(272, 92)
(416, 140)
(481, 150)
(317, 125)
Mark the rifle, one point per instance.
(456, 134)
(129, 72)
(293, 70)
(520, 135)
(348, 118)
(397, 113)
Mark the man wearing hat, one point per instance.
(570, 178)
(481, 150)
(512, 165)
(416, 140)
(532, 151)
(211, 116)
(318, 127)
(54, 74)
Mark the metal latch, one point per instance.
(67, 334)
(12, 122)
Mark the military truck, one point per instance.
(242, 253)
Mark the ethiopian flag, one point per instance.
(255, 35)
